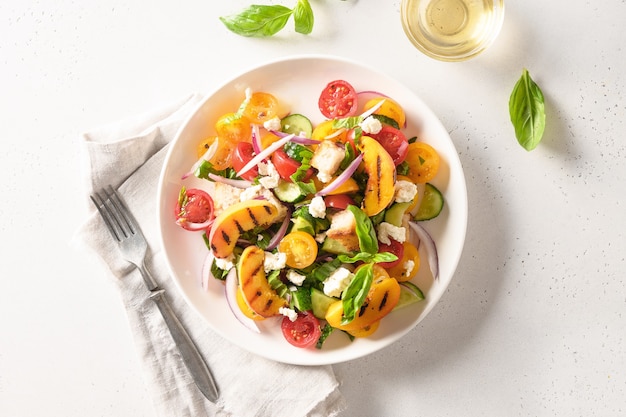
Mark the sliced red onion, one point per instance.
(275, 240)
(296, 139)
(194, 227)
(264, 154)
(343, 177)
(230, 290)
(429, 246)
(207, 155)
(230, 181)
(372, 93)
(256, 139)
(206, 273)
(335, 133)
(371, 111)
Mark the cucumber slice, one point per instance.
(431, 205)
(334, 246)
(301, 299)
(289, 192)
(409, 294)
(297, 124)
(395, 213)
(320, 303)
(302, 224)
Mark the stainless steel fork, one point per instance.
(133, 246)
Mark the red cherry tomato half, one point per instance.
(194, 209)
(287, 166)
(394, 142)
(394, 247)
(338, 99)
(302, 333)
(339, 201)
(242, 154)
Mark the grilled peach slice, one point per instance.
(381, 171)
(236, 220)
(381, 299)
(257, 292)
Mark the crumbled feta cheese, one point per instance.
(327, 159)
(408, 267)
(224, 196)
(337, 282)
(405, 191)
(270, 176)
(371, 125)
(317, 208)
(251, 193)
(295, 278)
(387, 231)
(272, 124)
(274, 261)
(288, 312)
(225, 263)
(324, 177)
(320, 237)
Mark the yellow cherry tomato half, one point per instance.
(234, 127)
(408, 266)
(423, 162)
(261, 107)
(223, 154)
(300, 249)
(389, 109)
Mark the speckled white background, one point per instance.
(534, 321)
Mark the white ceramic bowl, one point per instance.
(299, 80)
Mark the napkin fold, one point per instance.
(129, 156)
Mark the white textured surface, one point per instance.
(533, 322)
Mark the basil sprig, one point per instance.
(267, 20)
(368, 241)
(354, 295)
(527, 111)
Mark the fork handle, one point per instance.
(191, 356)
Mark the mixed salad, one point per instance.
(314, 224)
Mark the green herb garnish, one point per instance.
(527, 111)
(267, 20)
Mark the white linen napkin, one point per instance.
(129, 155)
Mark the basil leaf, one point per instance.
(368, 257)
(306, 187)
(527, 111)
(354, 295)
(303, 17)
(384, 257)
(368, 241)
(349, 156)
(359, 257)
(347, 122)
(386, 120)
(258, 20)
(206, 168)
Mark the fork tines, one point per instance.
(114, 213)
